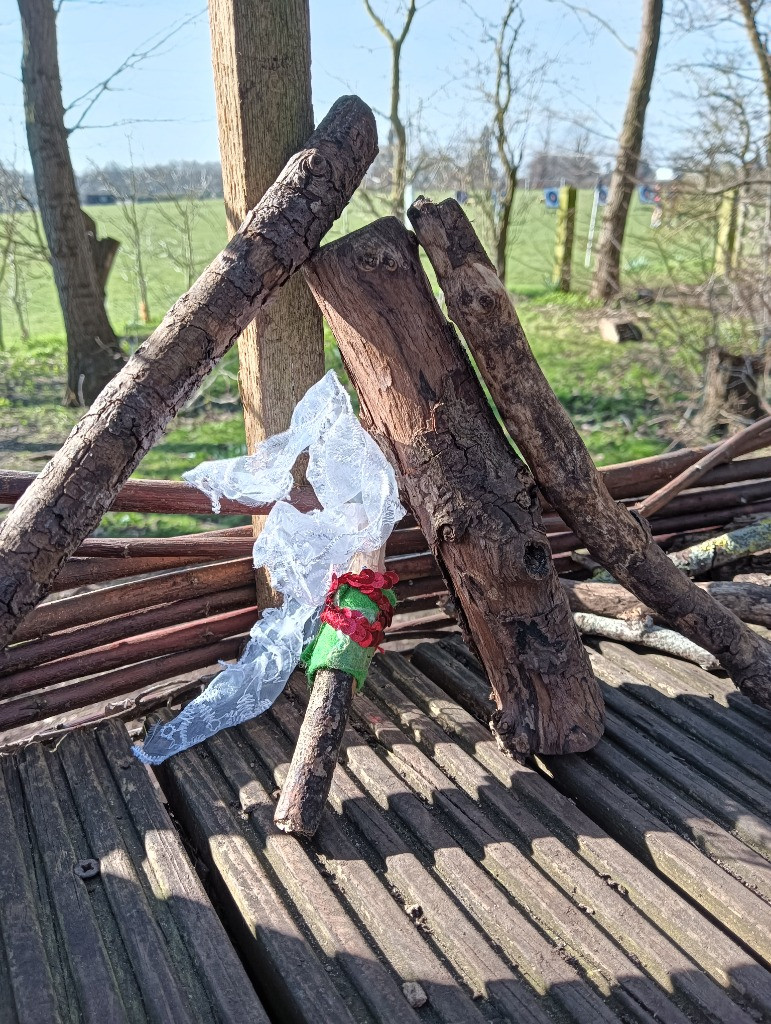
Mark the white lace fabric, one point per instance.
(359, 499)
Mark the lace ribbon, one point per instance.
(357, 491)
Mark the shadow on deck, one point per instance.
(630, 884)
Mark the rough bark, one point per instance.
(93, 353)
(307, 784)
(566, 475)
(607, 275)
(72, 493)
(473, 498)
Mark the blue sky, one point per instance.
(164, 110)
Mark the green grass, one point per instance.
(611, 392)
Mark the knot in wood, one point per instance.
(482, 303)
(315, 163)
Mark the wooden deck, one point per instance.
(631, 884)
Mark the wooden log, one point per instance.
(757, 434)
(21, 656)
(95, 606)
(134, 649)
(473, 498)
(752, 603)
(72, 493)
(108, 685)
(565, 472)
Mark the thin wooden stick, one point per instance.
(58, 700)
(309, 778)
(133, 649)
(757, 434)
(37, 652)
(646, 634)
(122, 598)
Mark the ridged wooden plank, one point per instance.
(27, 996)
(702, 742)
(497, 916)
(603, 963)
(291, 980)
(740, 820)
(718, 954)
(303, 883)
(114, 944)
(597, 900)
(664, 674)
(384, 919)
(687, 819)
(96, 985)
(162, 996)
(465, 946)
(737, 909)
(212, 957)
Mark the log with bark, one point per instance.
(70, 496)
(473, 498)
(751, 602)
(566, 475)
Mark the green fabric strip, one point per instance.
(330, 649)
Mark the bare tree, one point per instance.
(398, 140)
(509, 84)
(607, 275)
(93, 352)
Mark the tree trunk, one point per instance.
(474, 499)
(72, 493)
(93, 353)
(607, 275)
(562, 466)
(261, 54)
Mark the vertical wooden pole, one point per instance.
(261, 57)
(726, 233)
(563, 246)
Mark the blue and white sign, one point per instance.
(602, 194)
(647, 195)
(551, 196)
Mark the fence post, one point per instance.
(563, 247)
(726, 233)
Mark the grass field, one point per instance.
(612, 392)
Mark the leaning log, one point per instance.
(566, 475)
(473, 498)
(78, 485)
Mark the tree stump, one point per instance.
(473, 497)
